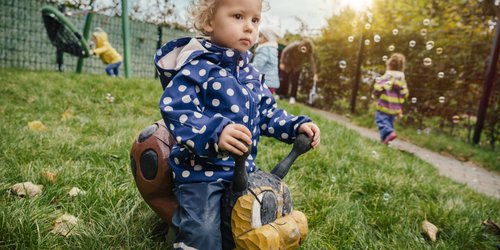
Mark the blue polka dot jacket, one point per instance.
(207, 87)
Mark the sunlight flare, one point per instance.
(357, 5)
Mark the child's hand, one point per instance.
(235, 139)
(311, 130)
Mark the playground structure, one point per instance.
(66, 38)
(24, 42)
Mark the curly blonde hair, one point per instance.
(202, 12)
(396, 62)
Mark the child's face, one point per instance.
(235, 24)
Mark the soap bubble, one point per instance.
(368, 26)
(412, 43)
(350, 39)
(391, 48)
(441, 75)
(367, 42)
(426, 22)
(395, 32)
(442, 99)
(413, 100)
(423, 32)
(429, 45)
(427, 61)
(376, 38)
(384, 58)
(453, 71)
(439, 51)
(455, 119)
(386, 196)
(342, 64)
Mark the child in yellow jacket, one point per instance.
(109, 56)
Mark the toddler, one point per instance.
(391, 92)
(215, 104)
(109, 56)
(266, 56)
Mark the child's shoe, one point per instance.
(390, 137)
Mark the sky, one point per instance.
(285, 13)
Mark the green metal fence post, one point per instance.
(126, 38)
(86, 36)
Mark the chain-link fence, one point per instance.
(24, 42)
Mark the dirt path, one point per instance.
(475, 177)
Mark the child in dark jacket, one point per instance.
(215, 104)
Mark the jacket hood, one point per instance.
(174, 55)
(101, 38)
(396, 74)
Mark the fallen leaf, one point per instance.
(429, 229)
(37, 126)
(31, 99)
(26, 188)
(49, 176)
(492, 226)
(76, 191)
(67, 115)
(64, 225)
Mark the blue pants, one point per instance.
(197, 220)
(385, 124)
(113, 69)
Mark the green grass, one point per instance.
(340, 186)
(454, 146)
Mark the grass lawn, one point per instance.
(356, 193)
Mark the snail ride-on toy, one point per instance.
(257, 211)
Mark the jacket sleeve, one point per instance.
(402, 88)
(182, 112)
(312, 62)
(378, 87)
(277, 122)
(260, 58)
(100, 50)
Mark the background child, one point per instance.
(215, 104)
(106, 52)
(293, 58)
(391, 92)
(266, 56)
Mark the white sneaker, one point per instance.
(292, 100)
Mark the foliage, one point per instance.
(160, 12)
(455, 35)
(356, 193)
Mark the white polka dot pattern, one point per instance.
(204, 95)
